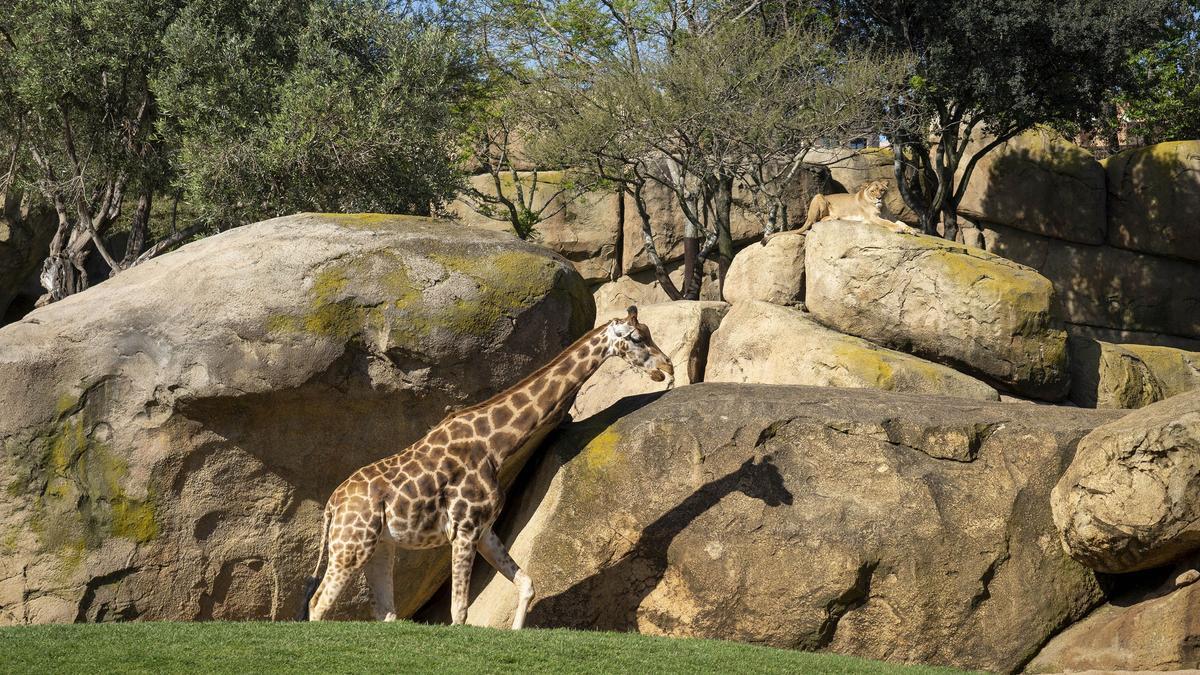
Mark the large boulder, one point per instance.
(1110, 288)
(682, 329)
(1105, 375)
(1156, 629)
(1154, 199)
(891, 526)
(771, 273)
(583, 228)
(1038, 182)
(1128, 501)
(170, 436)
(759, 342)
(943, 301)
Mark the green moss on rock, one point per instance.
(74, 490)
(373, 221)
(375, 297)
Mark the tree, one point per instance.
(523, 199)
(987, 71)
(79, 113)
(348, 106)
(1162, 100)
(228, 110)
(697, 98)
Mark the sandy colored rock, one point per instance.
(1110, 288)
(892, 526)
(667, 227)
(962, 306)
(1154, 199)
(1177, 370)
(1128, 501)
(582, 229)
(759, 342)
(1128, 337)
(1157, 629)
(643, 288)
(771, 273)
(681, 329)
(1105, 375)
(1039, 182)
(170, 436)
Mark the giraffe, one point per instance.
(447, 487)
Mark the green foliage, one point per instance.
(260, 647)
(345, 106)
(695, 99)
(998, 68)
(1162, 102)
(224, 111)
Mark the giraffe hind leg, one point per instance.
(496, 554)
(344, 561)
(380, 571)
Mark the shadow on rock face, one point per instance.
(609, 599)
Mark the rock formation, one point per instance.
(583, 229)
(759, 342)
(1155, 629)
(1105, 375)
(170, 436)
(771, 273)
(1128, 500)
(1154, 199)
(1039, 182)
(891, 526)
(943, 301)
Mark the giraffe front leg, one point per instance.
(462, 556)
(496, 554)
(380, 572)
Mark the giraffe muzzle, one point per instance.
(664, 371)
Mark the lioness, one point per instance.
(866, 205)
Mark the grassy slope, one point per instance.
(377, 647)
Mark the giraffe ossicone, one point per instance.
(447, 487)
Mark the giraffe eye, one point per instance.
(635, 338)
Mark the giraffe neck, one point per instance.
(539, 402)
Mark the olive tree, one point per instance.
(696, 98)
(227, 111)
(987, 71)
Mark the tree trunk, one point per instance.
(691, 255)
(950, 221)
(137, 231)
(660, 270)
(722, 208)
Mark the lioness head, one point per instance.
(875, 190)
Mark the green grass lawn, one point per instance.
(396, 647)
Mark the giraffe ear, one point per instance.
(632, 318)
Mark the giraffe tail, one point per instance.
(311, 583)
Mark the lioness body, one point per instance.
(866, 205)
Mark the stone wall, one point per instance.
(1120, 239)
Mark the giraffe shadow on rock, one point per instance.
(610, 598)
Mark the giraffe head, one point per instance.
(630, 339)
